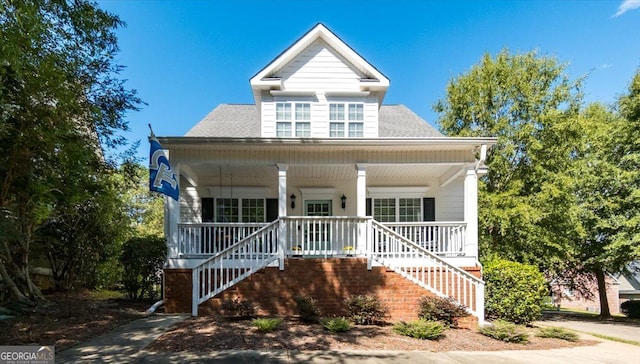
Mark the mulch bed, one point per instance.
(204, 334)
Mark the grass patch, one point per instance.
(420, 329)
(611, 338)
(557, 333)
(336, 324)
(267, 324)
(105, 294)
(505, 331)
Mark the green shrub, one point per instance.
(446, 310)
(238, 308)
(557, 333)
(307, 309)
(142, 259)
(267, 324)
(420, 329)
(631, 309)
(505, 331)
(336, 324)
(365, 310)
(514, 292)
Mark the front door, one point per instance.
(318, 232)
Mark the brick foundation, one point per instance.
(328, 281)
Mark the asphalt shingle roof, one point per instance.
(238, 121)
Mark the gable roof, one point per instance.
(242, 121)
(265, 78)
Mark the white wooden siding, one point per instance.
(450, 201)
(190, 206)
(319, 68)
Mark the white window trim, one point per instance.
(402, 192)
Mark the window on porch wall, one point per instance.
(403, 209)
(233, 210)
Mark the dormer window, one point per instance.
(341, 121)
(285, 118)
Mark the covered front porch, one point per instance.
(325, 193)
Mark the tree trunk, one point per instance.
(602, 293)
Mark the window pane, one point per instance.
(384, 209)
(409, 209)
(283, 129)
(356, 130)
(336, 111)
(303, 111)
(227, 210)
(336, 130)
(356, 112)
(303, 129)
(253, 210)
(283, 111)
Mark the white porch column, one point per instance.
(361, 208)
(282, 212)
(172, 217)
(361, 191)
(471, 213)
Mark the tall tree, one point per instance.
(527, 212)
(60, 96)
(609, 190)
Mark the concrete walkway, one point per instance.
(126, 345)
(122, 345)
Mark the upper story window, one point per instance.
(285, 118)
(346, 117)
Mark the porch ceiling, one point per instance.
(346, 171)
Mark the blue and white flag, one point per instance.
(161, 176)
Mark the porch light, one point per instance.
(293, 201)
(344, 201)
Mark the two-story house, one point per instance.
(319, 189)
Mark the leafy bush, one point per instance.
(267, 324)
(238, 308)
(557, 333)
(505, 331)
(142, 259)
(365, 310)
(336, 324)
(446, 310)
(631, 309)
(515, 292)
(420, 329)
(307, 309)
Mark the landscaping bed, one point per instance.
(203, 334)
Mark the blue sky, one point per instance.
(186, 57)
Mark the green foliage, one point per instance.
(62, 109)
(505, 331)
(307, 309)
(420, 329)
(365, 310)
(267, 324)
(515, 292)
(631, 309)
(557, 333)
(446, 310)
(237, 308)
(142, 259)
(336, 324)
(526, 205)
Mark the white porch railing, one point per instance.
(442, 238)
(426, 269)
(234, 264)
(211, 238)
(325, 235)
(321, 236)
